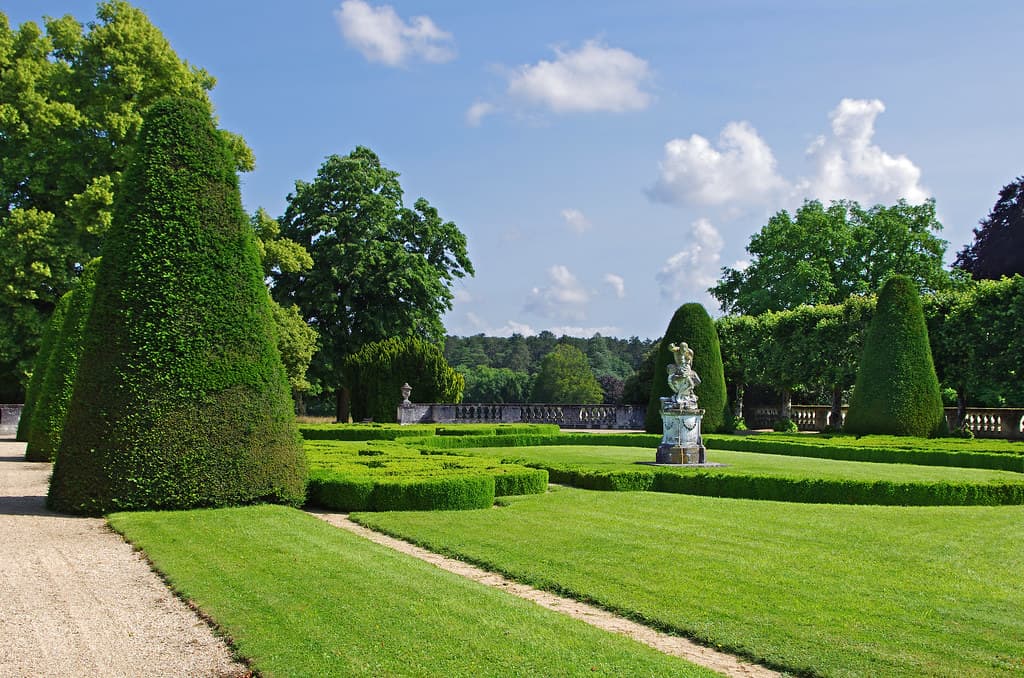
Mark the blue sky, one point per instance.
(606, 159)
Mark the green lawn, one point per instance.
(747, 463)
(815, 589)
(302, 598)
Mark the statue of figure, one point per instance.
(681, 377)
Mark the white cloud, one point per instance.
(617, 283)
(564, 297)
(508, 329)
(383, 36)
(576, 331)
(848, 165)
(576, 220)
(462, 296)
(478, 111)
(592, 78)
(688, 273)
(742, 169)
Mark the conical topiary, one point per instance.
(180, 399)
(692, 324)
(896, 391)
(35, 385)
(59, 379)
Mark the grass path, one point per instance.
(595, 616)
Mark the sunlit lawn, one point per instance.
(822, 589)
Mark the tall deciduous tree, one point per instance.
(998, 247)
(380, 269)
(822, 256)
(71, 103)
(565, 377)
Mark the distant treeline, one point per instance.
(502, 369)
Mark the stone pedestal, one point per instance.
(681, 442)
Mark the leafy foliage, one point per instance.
(692, 324)
(377, 371)
(565, 377)
(61, 368)
(822, 256)
(495, 385)
(72, 102)
(51, 337)
(897, 391)
(380, 270)
(998, 247)
(181, 399)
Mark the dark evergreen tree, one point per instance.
(61, 369)
(998, 247)
(896, 391)
(181, 399)
(692, 324)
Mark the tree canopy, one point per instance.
(71, 104)
(823, 255)
(380, 269)
(998, 247)
(565, 377)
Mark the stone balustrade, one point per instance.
(567, 416)
(984, 422)
(9, 417)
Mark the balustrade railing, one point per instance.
(982, 422)
(566, 416)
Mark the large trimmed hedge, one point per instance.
(35, 385)
(692, 324)
(181, 399)
(55, 394)
(376, 372)
(897, 391)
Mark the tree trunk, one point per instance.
(341, 409)
(836, 415)
(787, 401)
(737, 403)
(300, 403)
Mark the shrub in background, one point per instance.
(35, 385)
(181, 399)
(692, 324)
(376, 372)
(55, 394)
(897, 391)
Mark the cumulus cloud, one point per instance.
(688, 273)
(383, 36)
(849, 165)
(618, 284)
(564, 296)
(478, 111)
(593, 78)
(741, 169)
(508, 329)
(577, 331)
(576, 220)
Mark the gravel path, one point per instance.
(75, 600)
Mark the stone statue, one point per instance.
(681, 377)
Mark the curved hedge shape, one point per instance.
(348, 493)
(897, 391)
(376, 372)
(692, 324)
(35, 385)
(181, 399)
(55, 394)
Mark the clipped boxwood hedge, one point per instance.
(884, 455)
(353, 493)
(379, 431)
(51, 335)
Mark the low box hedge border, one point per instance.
(999, 461)
(777, 488)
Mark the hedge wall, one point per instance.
(35, 385)
(55, 393)
(181, 399)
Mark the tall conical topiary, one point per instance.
(896, 391)
(180, 399)
(59, 379)
(35, 385)
(692, 324)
